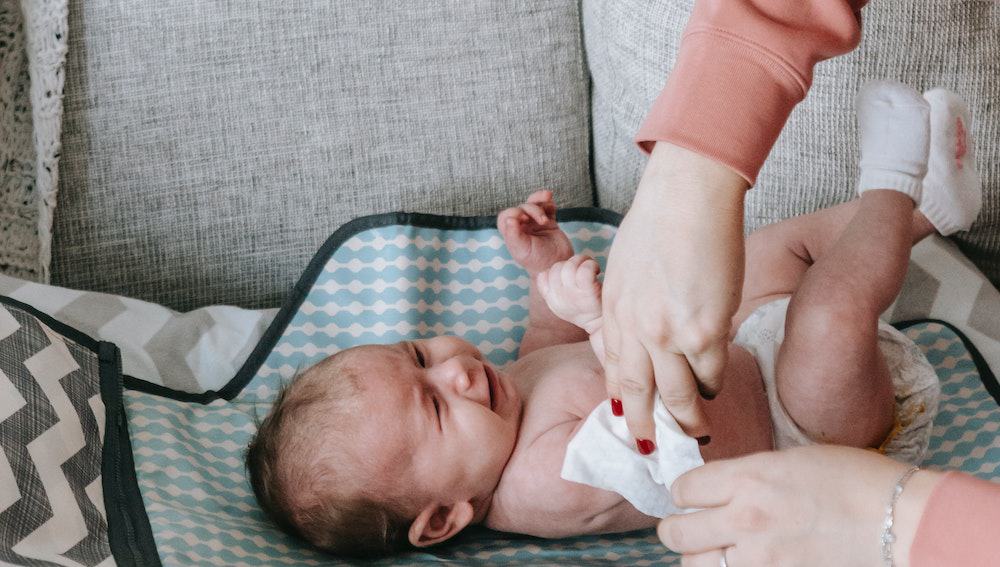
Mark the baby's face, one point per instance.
(437, 406)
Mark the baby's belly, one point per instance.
(573, 385)
(563, 386)
(739, 416)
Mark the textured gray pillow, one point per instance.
(631, 46)
(209, 148)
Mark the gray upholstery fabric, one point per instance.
(631, 45)
(210, 147)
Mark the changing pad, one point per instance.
(385, 279)
(390, 277)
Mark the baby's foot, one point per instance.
(953, 191)
(572, 291)
(893, 130)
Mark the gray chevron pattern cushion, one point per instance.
(195, 351)
(51, 422)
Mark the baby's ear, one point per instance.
(439, 522)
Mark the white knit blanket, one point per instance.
(33, 44)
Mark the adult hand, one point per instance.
(817, 505)
(673, 283)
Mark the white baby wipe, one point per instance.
(602, 454)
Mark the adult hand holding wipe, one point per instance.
(602, 454)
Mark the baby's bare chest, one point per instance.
(563, 385)
(561, 382)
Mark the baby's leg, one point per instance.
(778, 255)
(831, 376)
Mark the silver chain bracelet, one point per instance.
(888, 538)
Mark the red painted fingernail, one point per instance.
(645, 446)
(704, 440)
(616, 407)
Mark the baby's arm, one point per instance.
(536, 242)
(573, 293)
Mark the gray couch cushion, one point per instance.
(631, 45)
(209, 148)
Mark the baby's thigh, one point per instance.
(831, 375)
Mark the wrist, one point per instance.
(909, 510)
(537, 268)
(678, 173)
(592, 326)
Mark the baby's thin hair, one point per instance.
(298, 490)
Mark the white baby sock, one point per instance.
(893, 127)
(953, 192)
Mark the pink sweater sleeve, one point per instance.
(960, 524)
(743, 65)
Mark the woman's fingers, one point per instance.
(679, 392)
(611, 339)
(710, 485)
(635, 381)
(713, 558)
(696, 532)
(708, 365)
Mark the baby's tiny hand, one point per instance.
(572, 291)
(532, 235)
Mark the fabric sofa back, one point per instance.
(210, 148)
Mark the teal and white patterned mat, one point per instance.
(423, 276)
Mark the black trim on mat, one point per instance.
(312, 271)
(986, 374)
(131, 537)
(129, 534)
(56, 325)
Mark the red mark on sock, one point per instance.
(961, 146)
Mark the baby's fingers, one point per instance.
(569, 268)
(506, 215)
(541, 197)
(537, 213)
(513, 234)
(542, 283)
(587, 272)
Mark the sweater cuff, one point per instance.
(959, 524)
(726, 99)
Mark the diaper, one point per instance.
(916, 385)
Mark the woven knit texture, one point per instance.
(399, 282)
(631, 46)
(211, 147)
(32, 54)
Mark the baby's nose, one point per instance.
(469, 379)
